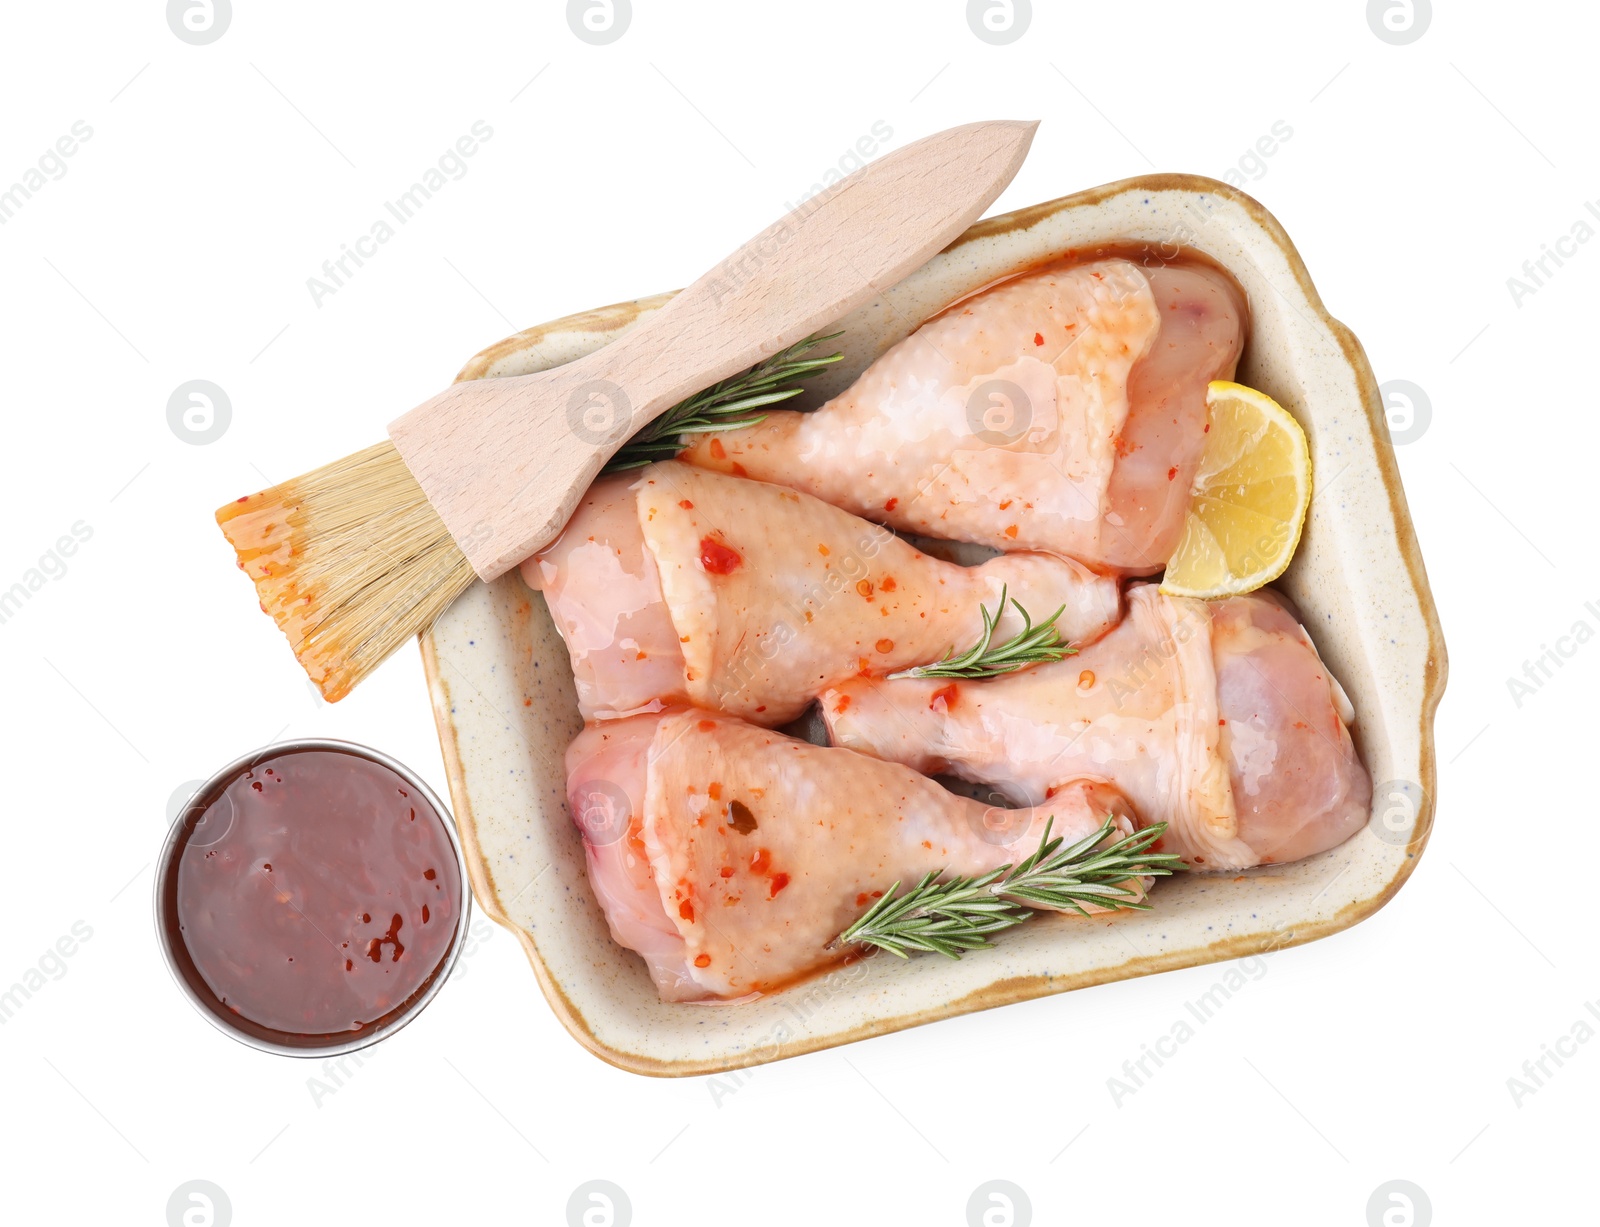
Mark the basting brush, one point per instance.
(356, 557)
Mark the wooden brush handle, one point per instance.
(505, 461)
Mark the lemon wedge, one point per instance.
(1249, 498)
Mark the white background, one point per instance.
(178, 245)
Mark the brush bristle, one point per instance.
(350, 559)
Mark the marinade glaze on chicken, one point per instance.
(1217, 718)
(677, 584)
(731, 856)
(1063, 410)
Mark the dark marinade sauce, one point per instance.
(317, 892)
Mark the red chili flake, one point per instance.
(779, 881)
(527, 702)
(763, 707)
(1011, 531)
(842, 705)
(891, 504)
(717, 558)
(885, 645)
(945, 694)
(761, 861)
(705, 726)
(1038, 338)
(1086, 679)
(1221, 722)
(429, 874)
(686, 910)
(1172, 472)
(1006, 506)
(822, 549)
(686, 504)
(702, 960)
(726, 871)
(887, 584)
(718, 452)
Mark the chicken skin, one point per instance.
(730, 856)
(1218, 719)
(1062, 410)
(680, 585)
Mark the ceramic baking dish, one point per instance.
(503, 697)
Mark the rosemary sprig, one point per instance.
(723, 406)
(951, 917)
(1032, 645)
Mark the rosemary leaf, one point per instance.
(958, 915)
(1032, 645)
(938, 917)
(723, 406)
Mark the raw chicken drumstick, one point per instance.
(730, 856)
(1218, 719)
(1062, 410)
(679, 585)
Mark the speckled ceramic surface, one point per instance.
(503, 696)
